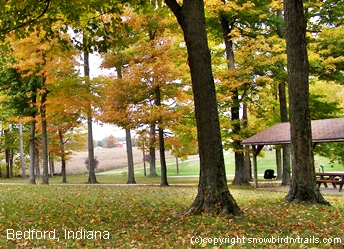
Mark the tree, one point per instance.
(283, 112)
(240, 176)
(237, 83)
(21, 98)
(116, 109)
(213, 194)
(82, 17)
(111, 142)
(30, 56)
(64, 115)
(37, 57)
(9, 82)
(303, 187)
(151, 70)
(183, 142)
(21, 150)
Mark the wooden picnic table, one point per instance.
(335, 178)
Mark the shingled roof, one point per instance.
(324, 130)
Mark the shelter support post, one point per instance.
(255, 175)
(255, 151)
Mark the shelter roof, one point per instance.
(324, 130)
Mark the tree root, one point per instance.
(301, 193)
(219, 205)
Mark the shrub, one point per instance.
(87, 163)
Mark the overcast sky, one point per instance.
(105, 130)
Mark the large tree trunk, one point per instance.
(8, 163)
(240, 177)
(161, 143)
(32, 179)
(91, 165)
(21, 151)
(51, 166)
(162, 158)
(285, 147)
(303, 187)
(45, 178)
(213, 194)
(284, 116)
(131, 174)
(11, 163)
(247, 163)
(152, 167)
(131, 170)
(37, 166)
(63, 158)
(7, 153)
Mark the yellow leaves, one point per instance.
(249, 224)
(327, 91)
(276, 5)
(37, 55)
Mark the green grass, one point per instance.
(150, 217)
(190, 167)
(188, 171)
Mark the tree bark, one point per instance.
(285, 147)
(240, 177)
(7, 153)
(91, 167)
(247, 162)
(32, 179)
(7, 159)
(11, 163)
(161, 143)
(37, 166)
(51, 166)
(239, 157)
(63, 158)
(144, 161)
(131, 174)
(162, 158)
(303, 187)
(21, 151)
(152, 167)
(213, 193)
(45, 178)
(284, 115)
(177, 165)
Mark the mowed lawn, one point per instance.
(147, 216)
(151, 217)
(190, 167)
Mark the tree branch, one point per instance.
(47, 2)
(175, 8)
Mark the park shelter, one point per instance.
(323, 131)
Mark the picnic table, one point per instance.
(335, 178)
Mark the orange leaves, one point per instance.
(39, 56)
